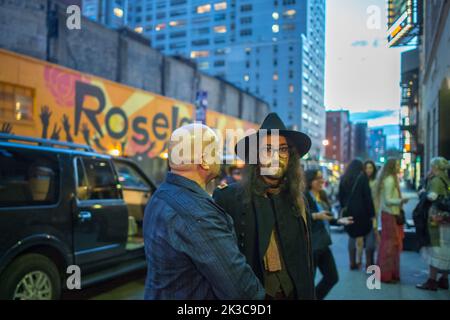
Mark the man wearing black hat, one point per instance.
(269, 212)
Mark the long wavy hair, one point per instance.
(389, 169)
(354, 169)
(292, 183)
(374, 174)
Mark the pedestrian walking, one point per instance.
(356, 201)
(320, 210)
(392, 221)
(370, 170)
(437, 254)
(190, 244)
(268, 209)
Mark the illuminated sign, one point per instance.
(404, 19)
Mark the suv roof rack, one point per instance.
(45, 142)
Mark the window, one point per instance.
(246, 20)
(201, 20)
(118, 12)
(199, 54)
(220, 29)
(203, 8)
(202, 42)
(291, 88)
(160, 15)
(129, 177)
(203, 30)
(28, 178)
(16, 103)
(161, 37)
(246, 8)
(161, 4)
(275, 76)
(289, 27)
(221, 51)
(178, 45)
(289, 13)
(177, 34)
(176, 13)
(203, 65)
(246, 32)
(96, 180)
(160, 27)
(220, 6)
(177, 2)
(219, 17)
(219, 40)
(178, 23)
(219, 63)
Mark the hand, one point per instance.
(66, 123)
(6, 128)
(404, 201)
(345, 221)
(55, 133)
(322, 216)
(45, 115)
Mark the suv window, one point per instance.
(129, 177)
(28, 178)
(96, 180)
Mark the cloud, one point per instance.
(371, 115)
(360, 43)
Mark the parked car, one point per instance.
(63, 204)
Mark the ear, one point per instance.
(204, 164)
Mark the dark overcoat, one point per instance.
(253, 234)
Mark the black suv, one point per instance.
(62, 205)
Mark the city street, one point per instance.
(211, 131)
(351, 285)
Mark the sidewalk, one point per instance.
(413, 270)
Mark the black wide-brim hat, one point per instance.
(296, 139)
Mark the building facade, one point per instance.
(434, 129)
(359, 141)
(274, 49)
(112, 13)
(377, 145)
(409, 117)
(338, 146)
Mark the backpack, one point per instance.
(420, 217)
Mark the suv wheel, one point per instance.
(31, 277)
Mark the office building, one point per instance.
(274, 49)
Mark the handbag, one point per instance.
(400, 218)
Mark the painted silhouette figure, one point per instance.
(66, 126)
(6, 128)
(45, 120)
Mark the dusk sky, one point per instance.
(362, 73)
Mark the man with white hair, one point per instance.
(190, 244)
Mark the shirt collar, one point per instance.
(181, 181)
